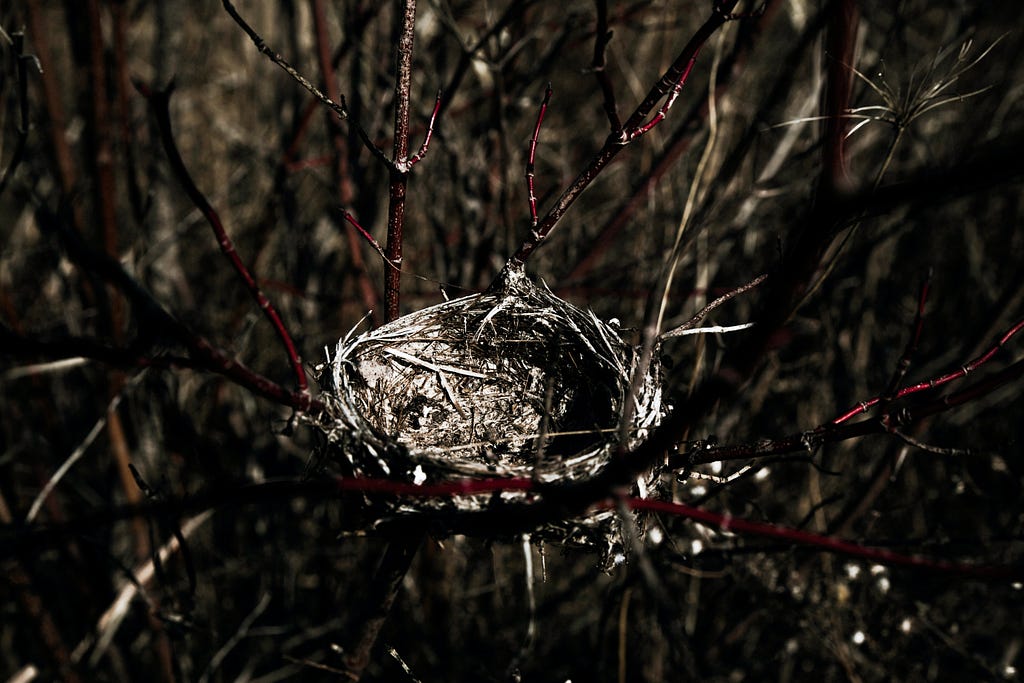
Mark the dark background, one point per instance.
(278, 581)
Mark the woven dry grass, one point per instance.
(513, 382)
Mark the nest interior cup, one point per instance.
(512, 382)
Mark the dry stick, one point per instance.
(668, 88)
(695, 320)
(153, 318)
(160, 103)
(384, 589)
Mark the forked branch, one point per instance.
(668, 89)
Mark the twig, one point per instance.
(669, 85)
(154, 319)
(399, 173)
(387, 581)
(727, 522)
(962, 372)
(160, 104)
(602, 36)
(240, 633)
(532, 197)
(79, 451)
(276, 58)
(110, 621)
(687, 327)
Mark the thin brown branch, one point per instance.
(159, 326)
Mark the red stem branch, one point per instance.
(532, 155)
(160, 103)
(960, 373)
(669, 85)
(399, 166)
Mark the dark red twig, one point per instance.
(399, 161)
(351, 220)
(962, 372)
(669, 85)
(159, 102)
(548, 499)
(826, 543)
(159, 326)
(418, 156)
(833, 432)
(530, 166)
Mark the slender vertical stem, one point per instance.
(399, 173)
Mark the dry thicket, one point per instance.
(833, 491)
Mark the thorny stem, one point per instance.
(678, 144)
(669, 85)
(834, 432)
(826, 543)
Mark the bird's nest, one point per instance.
(513, 382)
